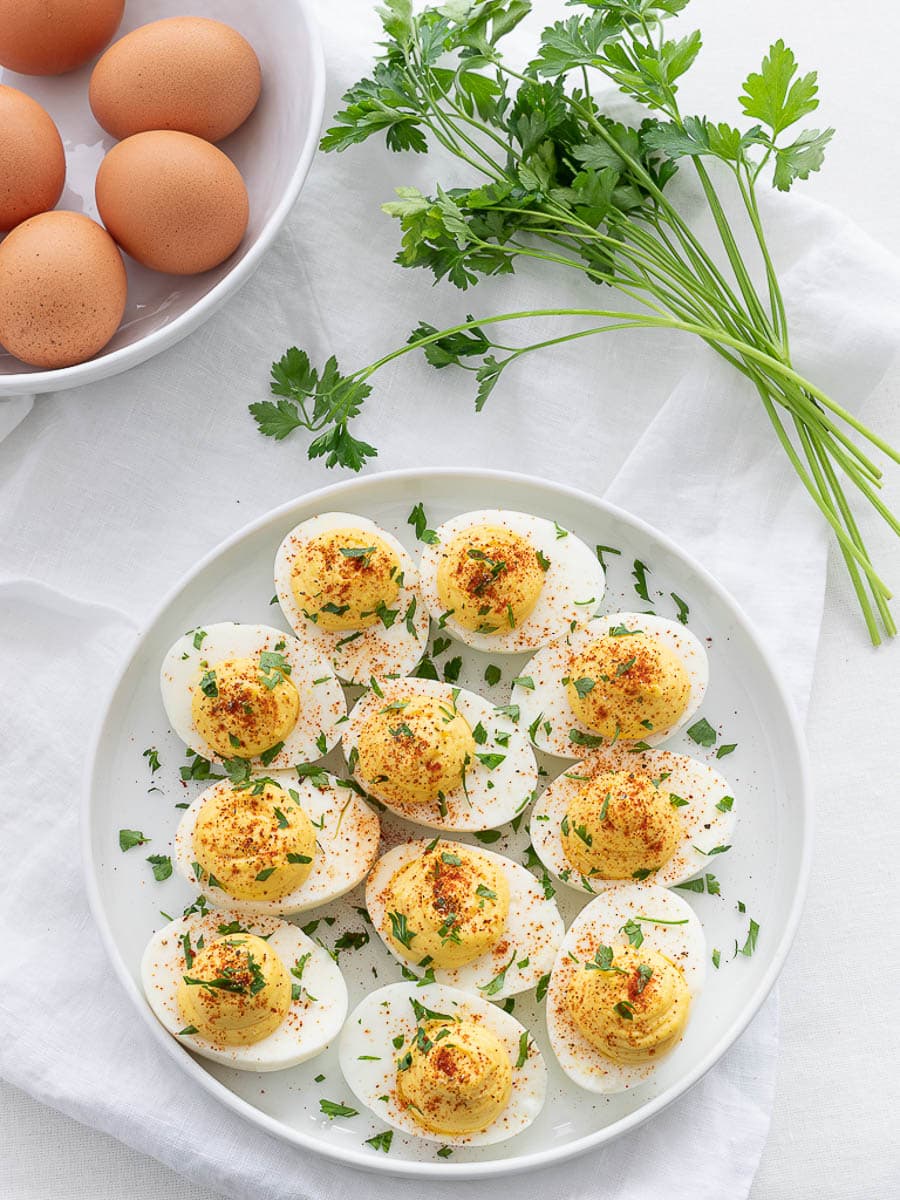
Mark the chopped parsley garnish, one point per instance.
(633, 932)
(400, 930)
(492, 674)
(208, 685)
(445, 1152)
(162, 867)
(451, 859)
(523, 1049)
(584, 685)
(199, 635)
(543, 560)
(683, 608)
(541, 990)
(560, 532)
(493, 986)
(491, 761)
(479, 734)
(716, 958)
(603, 961)
(152, 756)
(381, 1141)
(625, 1009)
(644, 974)
(331, 1109)
(640, 579)
(725, 804)
(524, 681)
(316, 775)
(264, 874)
(623, 631)
(358, 552)
(601, 550)
(512, 711)
(419, 522)
(727, 749)
(715, 850)
(579, 738)
(129, 838)
(750, 944)
(352, 940)
(643, 873)
(452, 669)
(488, 835)
(702, 733)
(298, 859)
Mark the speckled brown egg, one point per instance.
(62, 289)
(49, 37)
(172, 201)
(186, 73)
(32, 160)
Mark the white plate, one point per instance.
(273, 150)
(766, 869)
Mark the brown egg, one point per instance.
(172, 201)
(186, 73)
(62, 289)
(48, 37)
(32, 160)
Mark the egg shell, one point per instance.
(32, 159)
(62, 289)
(172, 201)
(705, 826)
(347, 836)
(573, 583)
(51, 37)
(513, 780)
(308, 1027)
(190, 74)
(548, 700)
(388, 1013)
(322, 704)
(533, 933)
(376, 651)
(599, 924)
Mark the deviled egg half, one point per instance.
(255, 994)
(443, 1064)
(464, 917)
(623, 814)
(277, 843)
(623, 984)
(350, 592)
(251, 692)
(506, 581)
(624, 678)
(439, 755)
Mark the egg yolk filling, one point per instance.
(346, 579)
(620, 826)
(490, 579)
(415, 750)
(235, 991)
(448, 906)
(628, 686)
(630, 1004)
(454, 1077)
(256, 844)
(242, 707)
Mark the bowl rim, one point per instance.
(151, 344)
(495, 1168)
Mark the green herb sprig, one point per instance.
(559, 181)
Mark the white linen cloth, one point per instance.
(109, 493)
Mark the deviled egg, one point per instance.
(467, 917)
(276, 843)
(624, 814)
(626, 677)
(350, 592)
(439, 755)
(506, 581)
(255, 994)
(443, 1064)
(622, 986)
(251, 692)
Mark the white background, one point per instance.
(833, 1132)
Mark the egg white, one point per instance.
(546, 710)
(357, 655)
(534, 929)
(308, 1027)
(491, 797)
(705, 826)
(573, 584)
(347, 836)
(388, 1013)
(322, 703)
(600, 924)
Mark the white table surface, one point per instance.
(833, 1130)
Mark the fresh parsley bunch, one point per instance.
(556, 179)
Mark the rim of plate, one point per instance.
(525, 1162)
(132, 355)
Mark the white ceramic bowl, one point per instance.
(273, 151)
